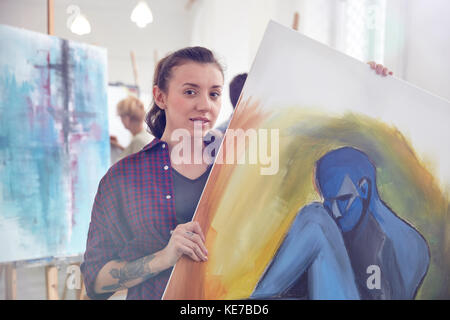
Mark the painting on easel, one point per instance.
(355, 200)
(54, 143)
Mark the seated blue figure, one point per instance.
(373, 234)
(331, 249)
(312, 262)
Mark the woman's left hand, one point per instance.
(380, 69)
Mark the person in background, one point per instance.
(132, 113)
(236, 86)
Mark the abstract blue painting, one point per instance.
(54, 142)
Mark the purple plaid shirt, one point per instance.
(132, 216)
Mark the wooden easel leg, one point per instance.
(81, 293)
(50, 18)
(51, 280)
(64, 295)
(296, 21)
(11, 282)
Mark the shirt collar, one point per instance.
(153, 143)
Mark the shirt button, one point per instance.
(164, 146)
(166, 167)
(168, 196)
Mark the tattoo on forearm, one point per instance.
(138, 269)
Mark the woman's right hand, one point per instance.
(186, 239)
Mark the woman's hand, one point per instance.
(380, 69)
(186, 239)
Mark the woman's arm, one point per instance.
(186, 239)
(119, 274)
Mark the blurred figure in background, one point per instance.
(236, 86)
(132, 113)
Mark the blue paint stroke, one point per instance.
(314, 245)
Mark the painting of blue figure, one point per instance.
(359, 207)
(54, 143)
(376, 238)
(354, 235)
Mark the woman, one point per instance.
(139, 227)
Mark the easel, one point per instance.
(296, 21)
(51, 281)
(80, 294)
(52, 266)
(10, 281)
(51, 271)
(50, 18)
(51, 284)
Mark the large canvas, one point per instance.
(54, 143)
(349, 197)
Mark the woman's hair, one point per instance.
(131, 107)
(156, 117)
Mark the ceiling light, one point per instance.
(77, 22)
(80, 25)
(142, 15)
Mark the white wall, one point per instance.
(234, 29)
(427, 48)
(112, 29)
(417, 42)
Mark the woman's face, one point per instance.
(193, 97)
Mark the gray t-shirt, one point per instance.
(187, 193)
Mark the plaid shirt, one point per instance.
(132, 216)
